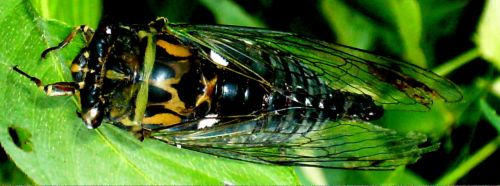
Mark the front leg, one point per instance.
(55, 89)
(86, 31)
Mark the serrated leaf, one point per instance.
(62, 150)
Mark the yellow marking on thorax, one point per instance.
(207, 92)
(134, 127)
(172, 49)
(165, 119)
(111, 74)
(86, 54)
(175, 103)
(75, 68)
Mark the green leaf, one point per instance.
(317, 176)
(354, 28)
(436, 121)
(402, 19)
(74, 12)
(409, 23)
(408, 29)
(54, 147)
(488, 36)
(228, 12)
(351, 27)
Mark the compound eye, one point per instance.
(374, 113)
(93, 117)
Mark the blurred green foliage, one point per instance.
(450, 37)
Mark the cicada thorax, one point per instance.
(178, 89)
(185, 87)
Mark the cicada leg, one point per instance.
(86, 31)
(55, 89)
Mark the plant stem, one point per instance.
(457, 62)
(462, 169)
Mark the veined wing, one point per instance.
(393, 83)
(332, 144)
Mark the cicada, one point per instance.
(249, 94)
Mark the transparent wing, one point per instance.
(395, 84)
(272, 138)
(332, 144)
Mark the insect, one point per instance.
(249, 94)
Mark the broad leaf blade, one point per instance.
(75, 12)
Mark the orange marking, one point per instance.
(165, 119)
(172, 49)
(207, 92)
(175, 103)
(75, 68)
